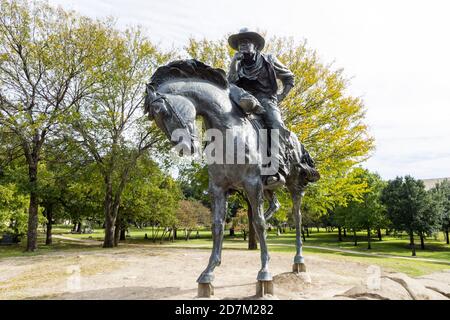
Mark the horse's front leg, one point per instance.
(219, 204)
(255, 196)
(299, 261)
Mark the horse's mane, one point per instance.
(191, 68)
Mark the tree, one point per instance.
(240, 223)
(44, 55)
(442, 191)
(369, 213)
(409, 207)
(151, 197)
(110, 124)
(192, 214)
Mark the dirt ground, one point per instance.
(161, 273)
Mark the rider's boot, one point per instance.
(278, 178)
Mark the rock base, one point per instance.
(205, 290)
(264, 288)
(298, 267)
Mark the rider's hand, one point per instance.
(238, 56)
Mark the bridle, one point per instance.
(172, 110)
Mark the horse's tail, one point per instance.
(304, 160)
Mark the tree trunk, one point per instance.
(413, 246)
(307, 232)
(339, 234)
(446, 233)
(369, 246)
(303, 235)
(355, 238)
(117, 231)
(379, 234)
(174, 233)
(122, 234)
(49, 216)
(252, 243)
(110, 217)
(422, 242)
(245, 235)
(33, 207)
(345, 232)
(79, 227)
(318, 230)
(110, 225)
(231, 232)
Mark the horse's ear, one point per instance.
(150, 90)
(150, 95)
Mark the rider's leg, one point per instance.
(273, 120)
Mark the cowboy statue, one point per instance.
(257, 73)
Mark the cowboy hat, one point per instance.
(245, 33)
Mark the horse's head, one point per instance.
(175, 116)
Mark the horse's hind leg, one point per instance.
(274, 205)
(256, 198)
(219, 203)
(299, 261)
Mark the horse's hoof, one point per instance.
(264, 275)
(206, 278)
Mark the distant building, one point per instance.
(430, 183)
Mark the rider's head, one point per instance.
(246, 46)
(247, 42)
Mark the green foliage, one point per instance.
(150, 197)
(410, 207)
(192, 214)
(441, 193)
(366, 212)
(13, 210)
(193, 180)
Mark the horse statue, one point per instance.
(185, 89)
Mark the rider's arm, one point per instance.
(285, 75)
(233, 76)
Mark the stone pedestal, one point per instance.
(263, 288)
(298, 267)
(205, 290)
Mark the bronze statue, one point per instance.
(237, 108)
(185, 89)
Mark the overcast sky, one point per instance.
(397, 54)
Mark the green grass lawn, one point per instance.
(397, 246)
(434, 248)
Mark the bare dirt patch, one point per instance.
(160, 273)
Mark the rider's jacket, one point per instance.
(261, 77)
